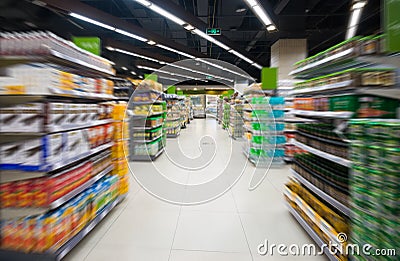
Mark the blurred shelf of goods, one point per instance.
(63, 167)
(147, 121)
(346, 173)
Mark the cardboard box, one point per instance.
(33, 155)
(32, 118)
(10, 119)
(54, 148)
(56, 116)
(10, 156)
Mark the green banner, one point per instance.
(392, 25)
(179, 92)
(171, 90)
(90, 44)
(269, 78)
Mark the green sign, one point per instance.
(179, 92)
(90, 44)
(269, 78)
(214, 31)
(392, 25)
(171, 90)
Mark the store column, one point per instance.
(284, 53)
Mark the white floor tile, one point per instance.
(127, 252)
(140, 228)
(210, 232)
(183, 255)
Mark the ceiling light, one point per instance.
(251, 3)
(151, 42)
(135, 55)
(140, 77)
(195, 89)
(241, 56)
(189, 27)
(89, 20)
(144, 2)
(359, 5)
(124, 68)
(260, 12)
(178, 89)
(132, 72)
(134, 36)
(271, 28)
(167, 14)
(110, 48)
(257, 66)
(168, 78)
(175, 51)
(240, 10)
(354, 19)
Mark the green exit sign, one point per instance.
(214, 31)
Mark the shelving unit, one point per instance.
(263, 124)
(175, 117)
(66, 162)
(329, 82)
(147, 125)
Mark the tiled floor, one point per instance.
(229, 228)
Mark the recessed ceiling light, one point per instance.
(132, 72)
(195, 89)
(151, 42)
(124, 68)
(240, 10)
(140, 77)
(189, 27)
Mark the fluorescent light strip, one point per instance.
(175, 51)
(132, 54)
(89, 20)
(200, 72)
(211, 39)
(261, 14)
(354, 19)
(257, 66)
(241, 56)
(168, 78)
(163, 71)
(225, 69)
(134, 36)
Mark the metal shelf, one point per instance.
(133, 103)
(173, 135)
(311, 233)
(58, 58)
(70, 127)
(7, 213)
(287, 130)
(322, 64)
(68, 246)
(336, 159)
(332, 201)
(324, 114)
(324, 88)
(136, 116)
(146, 157)
(7, 100)
(147, 128)
(339, 143)
(388, 92)
(146, 141)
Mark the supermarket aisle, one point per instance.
(229, 228)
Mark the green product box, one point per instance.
(344, 103)
(376, 107)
